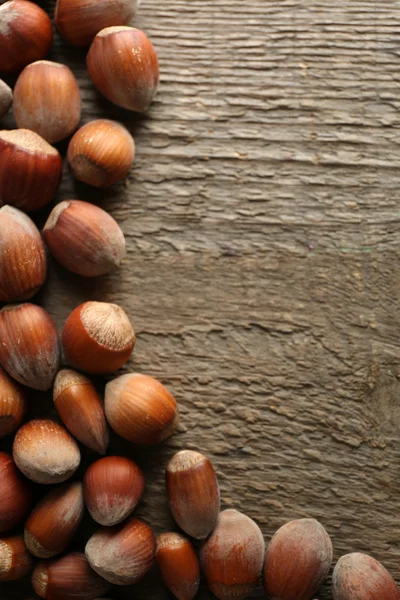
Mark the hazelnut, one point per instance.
(358, 576)
(25, 34)
(98, 337)
(30, 169)
(15, 497)
(112, 487)
(178, 564)
(297, 560)
(30, 350)
(81, 409)
(101, 153)
(84, 238)
(193, 493)
(122, 554)
(47, 100)
(54, 521)
(12, 404)
(23, 262)
(5, 97)
(45, 452)
(232, 557)
(123, 65)
(68, 578)
(78, 21)
(15, 560)
(140, 409)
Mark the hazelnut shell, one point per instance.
(123, 65)
(98, 337)
(178, 564)
(54, 521)
(68, 578)
(112, 487)
(25, 34)
(193, 493)
(78, 21)
(101, 153)
(357, 576)
(30, 349)
(232, 557)
(15, 560)
(140, 409)
(45, 452)
(30, 169)
(297, 560)
(13, 403)
(23, 262)
(47, 100)
(84, 238)
(123, 554)
(81, 409)
(15, 498)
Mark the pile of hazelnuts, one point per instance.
(98, 338)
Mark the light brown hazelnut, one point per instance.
(47, 100)
(123, 65)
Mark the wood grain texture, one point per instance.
(263, 226)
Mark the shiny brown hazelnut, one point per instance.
(122, 554)
(84, 238)
(25, 34)
(98, 337)
(15, 560)
(193, 493)
(5, 98)
(30, 350)
(15, 497)
(232, 557)
(140, 409)
(30, 169)
(54, 521)
(101, 153)
(68, 578)
(78, 21)
(178, 564)
(47, 100)
(123, 65)
(112, 487)
(81, 409)
(297, 560)
(23, 262)
(357, 576)
(45, 452)
(13, 402)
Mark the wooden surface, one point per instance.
(263, 227)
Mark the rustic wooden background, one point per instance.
(263, 226)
